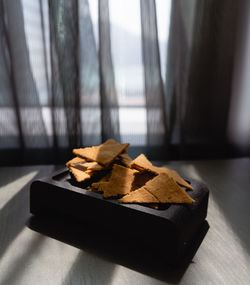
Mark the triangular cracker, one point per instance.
(139, 196)
(120, 182)
(177, 178)
(103, 154)
(142, 163)
(95, 186)
(110, 141)
(99, 186)
(166, 190)
(79, 175)
(141, 178)
(75, 160)
(93, 166)
(125, 159)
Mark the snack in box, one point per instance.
(131, 181)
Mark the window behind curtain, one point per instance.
(125, 25)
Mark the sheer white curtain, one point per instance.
(126, 49)
(156, 73)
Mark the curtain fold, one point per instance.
(89, 78)
(178, 60)
(18, 89)
(211, 71)
(154, 89)
(201, 53)
(108, 94)
(63, 17)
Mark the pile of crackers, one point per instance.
(131, 181)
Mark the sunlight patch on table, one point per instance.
(223, 233)
(231, 249)
(33, 254)
(7, 192)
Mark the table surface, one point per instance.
(32, 257)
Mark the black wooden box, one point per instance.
(170, 231)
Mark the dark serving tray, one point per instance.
(169, 231)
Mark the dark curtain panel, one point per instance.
(199, 75)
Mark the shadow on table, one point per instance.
(116, 249)
(15, 211)
(229, 182)
(87, 269)
(13, 216)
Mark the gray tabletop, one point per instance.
(31, 257)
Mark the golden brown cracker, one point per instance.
(90, 172)
(102, 185)
(139, 196)
(95, 185)
(120, 182)
(141, 178)
(166, 190)
(105, 176)
(79, 175)
(125, 159)
(110, 141)
(98, 186)
(141, 163)
(75, 160)
(172, 173)
(84, 170)
(103, 154)
(88, 166)
(93, 166)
